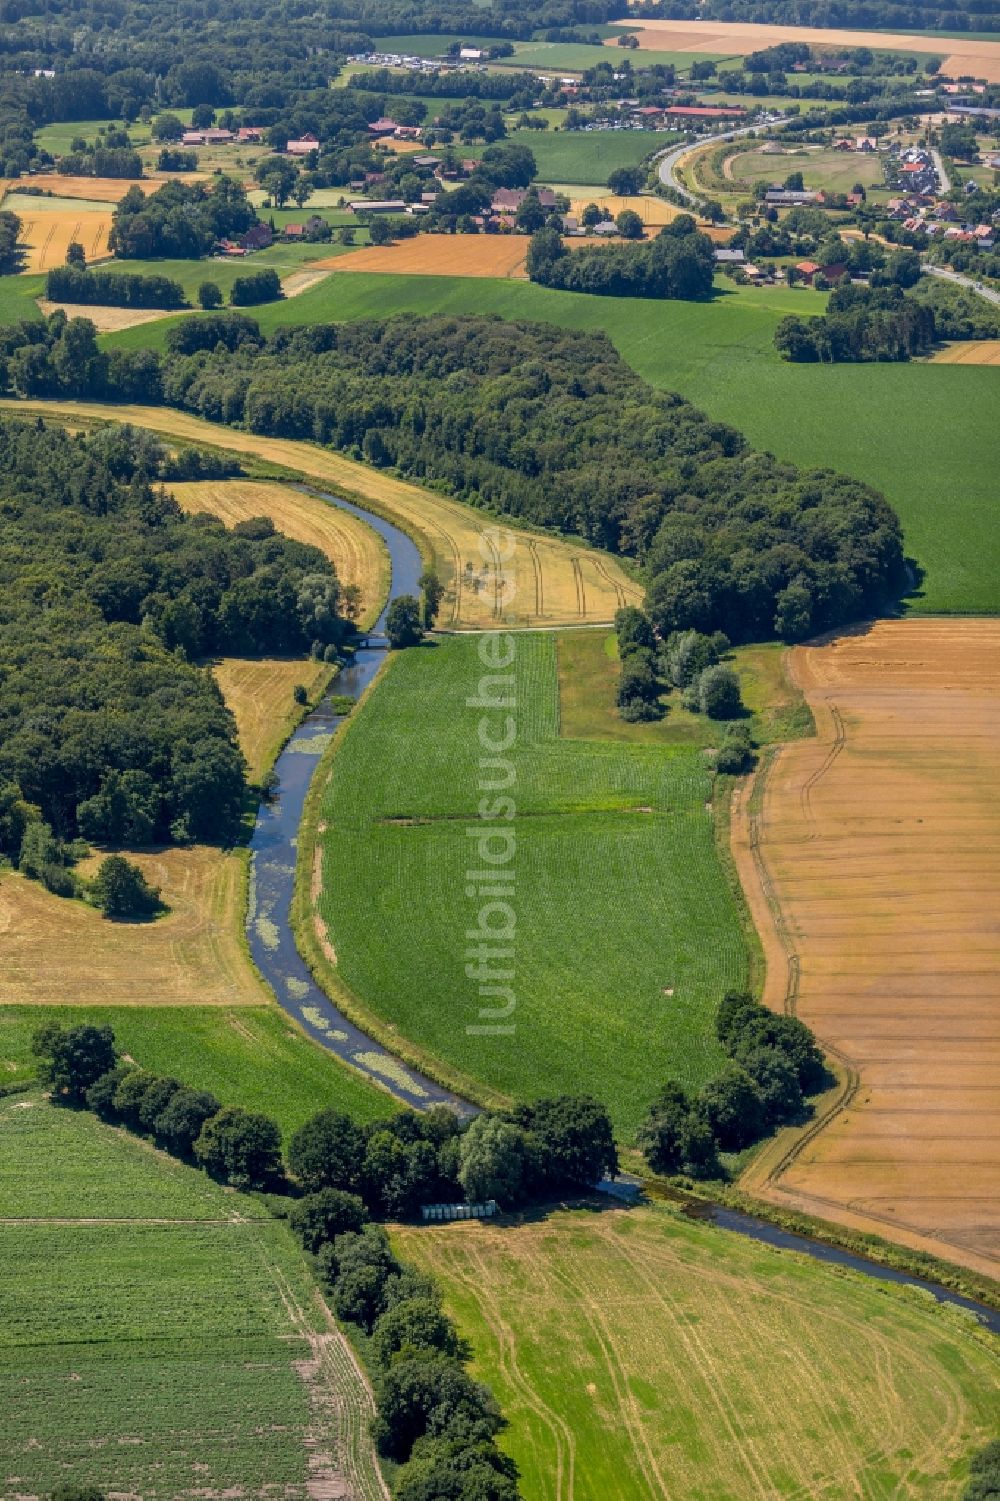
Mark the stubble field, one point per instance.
(492, 576)
(45, 237)
(181, 1349)
(639, 1355)
(877, 844)
(356, 551)
(441, 255)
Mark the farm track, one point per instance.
(870, 862)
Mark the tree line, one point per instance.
(110, 597)
(113, 289)
(547, 425)
(862, 324)
(679, 262)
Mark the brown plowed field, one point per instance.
(737, 38)
(872, 861)
(440, 255)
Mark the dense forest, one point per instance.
(679, 262)
(535, 422)
(109, 596)
(861, 325)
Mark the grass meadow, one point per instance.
(627, 933)
(871, 421)
(248, 1056)
(166, 1357)
(577, 156)
(637, 1354)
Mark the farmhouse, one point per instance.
(302, 147)
(383, 126)
(729, 257)
(786, 198)
(208, 137)
(377, 206)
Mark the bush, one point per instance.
(719, 693)
(735, 754)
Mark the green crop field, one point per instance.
(626, 931)
(867, 420)
(59, 137)
(251, 1057)
(576, 57)
(154, 1327)
(639, 1355)
(588, 156)
(17, 298)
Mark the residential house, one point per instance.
(257, 237)
(807, 270)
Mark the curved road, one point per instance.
(669, 159)
(947, 274)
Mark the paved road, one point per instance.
(668, 159)
(963, 281)
(943, 177)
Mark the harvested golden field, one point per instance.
(45, 236)
(492, 575)
(259, 693)
(977, 59)
(357, 552)
(638, 1355)
(871, 857)
(440, 255)
(107, 320)
(970, 352)
(654, 213)
(64, 953)
(110, 189)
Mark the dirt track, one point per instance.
(872, 863)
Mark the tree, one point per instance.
(100, 1097)
(591, 215)
(432, 593)
(734, 1107)
(155, 1100)
(530, 214)
(240, 1146)
(261, 286)
(319, 1217)
(777, 1080)
(73, 1058)
(77, 1493)
(124, 811)
(626, 182)
(413, 1325)
(629, 225)
(277, 176)
(794, 183)
(181, 1121)
(719, 693)
(76, 255)
(573, 1141)
(120, 889)
(984, 1474)
(209, 296)
(327, 1152)
(167, 127)
(402, 622)
(380, 231)
(128, 1097)
(793, 612)
(430, 1395)
(735, 754)
(493, 1161)
(661, 1137)
(202, 116)
(633, 630)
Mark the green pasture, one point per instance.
(58, 137)
(588, 156)
(836, 171)
(247, 1056)
(627, 934)
(577, 57)
(641, 1355)
(922, 433)
(17, 298)
(285, 259)
(150, 1323)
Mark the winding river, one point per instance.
(273, 857)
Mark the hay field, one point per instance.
(107, 189)
(441, 255)
(971, 352)
(45, 236)
(107, 320)
(871, 856)
(181, 1350)
(59, 951)
(654, 213)
(259, 693)
(639, 1355)
(357, 552)
(492, 576)
(978, 59)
